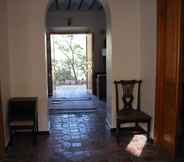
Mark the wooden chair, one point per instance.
(23, 115)
(126, 89)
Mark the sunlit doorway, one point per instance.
(71, 73)
(71, 61)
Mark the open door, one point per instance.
(49, 66)
(168, 73)
(89, 51)
(2, 144)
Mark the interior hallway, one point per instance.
(82, 137)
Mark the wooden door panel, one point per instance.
(89, 51)
(172, 72)
(160, 71)
(49, 66)
(168, 72)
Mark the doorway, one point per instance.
(71, 61)
(71, 72)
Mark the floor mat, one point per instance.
(71, 106)
(68, 111)
(56, 100)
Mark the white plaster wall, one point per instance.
(26, 35)
(148, 55)
(124, 54)
(4, 65)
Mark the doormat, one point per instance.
(62, 111)
(56, 100)
(72, 106)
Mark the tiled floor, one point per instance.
(81, 137)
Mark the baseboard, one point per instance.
(43, 133)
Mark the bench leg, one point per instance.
(34, 131)
(11, 136)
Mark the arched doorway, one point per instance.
(69, 19)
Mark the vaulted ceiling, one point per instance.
(75, 5)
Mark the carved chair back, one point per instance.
(127, 89)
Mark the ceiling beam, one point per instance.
(80, 5)
(69, 4)
(92, 4)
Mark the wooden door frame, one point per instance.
(160, 62)
(49, 66)
(92, 62)
(162, 40)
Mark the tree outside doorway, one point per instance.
(69, 62)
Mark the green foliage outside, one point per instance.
(71, 65)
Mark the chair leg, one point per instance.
(37, 128)
(34, 135)
(35, 132)
(118, 132)
(148, 130)
(11, 136)
(136, 124)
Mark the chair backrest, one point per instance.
(23, 108)
(127, 88)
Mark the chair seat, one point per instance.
(22, 123)
(132, 115)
